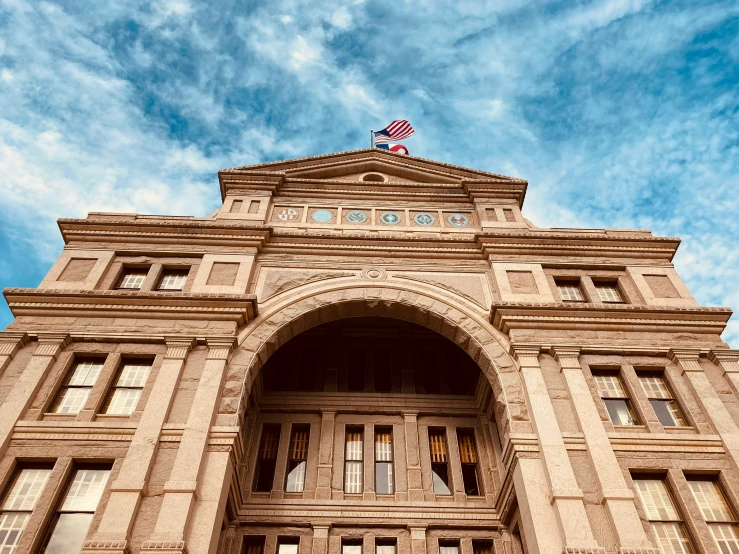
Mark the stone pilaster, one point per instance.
(29, 381)
(566, 495)
(325, 455)
(413, 459)
(10, 343)
(728, 361)
(179, 492)
(120, 510)
(320, 538)
(616, 496)
(418, 539)
(709, 400)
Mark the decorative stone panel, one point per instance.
(522, 283)
(78, 269)
(223, 274)
(661, 286)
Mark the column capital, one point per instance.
(567, 356)
(727, 359)
(320, 530)
(527, 355)
(418, 532)
(410, 417)
(219, 348)
(11, 342)
(52, 344)
(178, 347)
(686, 358)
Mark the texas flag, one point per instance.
(397, 148)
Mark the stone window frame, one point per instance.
(156, 265)
(127, 267)
(677, 395)
(587, 278)
(112, 358)
(628, 384)
(723, 492)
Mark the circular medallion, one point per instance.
(458, 220)
(425, 219)
(322, 216)
(287, 214)
(390, 218)
(356, 217)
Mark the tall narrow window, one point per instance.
(448, 547)
(614, 396)
(439, 461)
(351, 546)
(126, 391)
(74, 515)
(386, 546)
(384, 461)
(132, 278)
(76, 388)
(253, 544)
(663, 516)
(608, 291)
(663, 403)
(18, 503)
(468, 457)
(353, 461)
(288, 545)
(173, 279)
(298, 458)
(482, 547)
(265, 470)
(716, 511)
(570, 291)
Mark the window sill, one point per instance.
(634, 428)
(112, 416)
(680, 429)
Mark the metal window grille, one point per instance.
(608, 292)
(570, 292)
(133, 279)
(126, 392)
(437, 444)
(17, 505)
(173, 280)
(76, 388)
(717, 513)
(663, 516)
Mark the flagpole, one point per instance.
(372, 138)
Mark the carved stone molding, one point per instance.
(727, 359)
(641, 550)
(526, 356)
(468, 286)
(11, 342)
(164, 546)
(219, 349)
(687, 360)
(105, 547)
(178, 348)
(52, 345)
(584, 550)
(276, 281)
(567, 356)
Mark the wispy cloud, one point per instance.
(620, 113)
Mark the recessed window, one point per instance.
(660, 397)
(448, 547)
(439, 461)
(468, 457)
(126, 391)
(354, 460)
(297, 458)
(173, 279)
(253, 544)
(384, 460)
(482, 547)
(719, 516)
(351, 546)
(615, 398)
(663, 515)
(608, 292)
(265, 471)
(74, 515)
(76, 388)
(570, 291)
(288, 545)
(132, 278)
(18, 503)
(386, 546)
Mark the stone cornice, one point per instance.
(240, 308)
(613, 317)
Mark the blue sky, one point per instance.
(620, 113)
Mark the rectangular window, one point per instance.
(253, 544)
(482, 547)
(716, 511)
(660, 397)
(570, 291)
(173, 279)
(288, 545)
(608, 292)
(614, 396)
(439, 461)
(385, 546)
(18, 503)
(74, 515)
(352, 546)
(265, 470)
(384, 461)
(354, 461)
(448, 547)
(468, 457)
(663, 516)
(132, 278)
(126, 391)
(76, 388)
(297, 458)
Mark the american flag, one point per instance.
(397, 130)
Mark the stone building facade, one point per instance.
(365, 352)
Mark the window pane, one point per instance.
(440, 476)
(608, 292)
(70, 401)
(265, 475)
(383, 446)
(672, 538)
(384, 478)
(711, 500)
(570, 291)
(269, 442)
(11, 527)
(354, 445)
(467, 452)
(620, 411)
(668, 413)
(469, 476)
(655, 386)
(726, 537)
(68, 534)
(299, 444)
(133, 279)
(172, 280)
(25, 490)
(656, 499)
(385, 549)
(133, 375)
(122, 402)
(351, 549)
(448, 549)
(296, 476)
(84, 374)
(610, 386)
(437, 443)
(85, 490)
(353, 477)
(479, 547)
(288, 548)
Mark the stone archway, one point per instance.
(471, 333)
